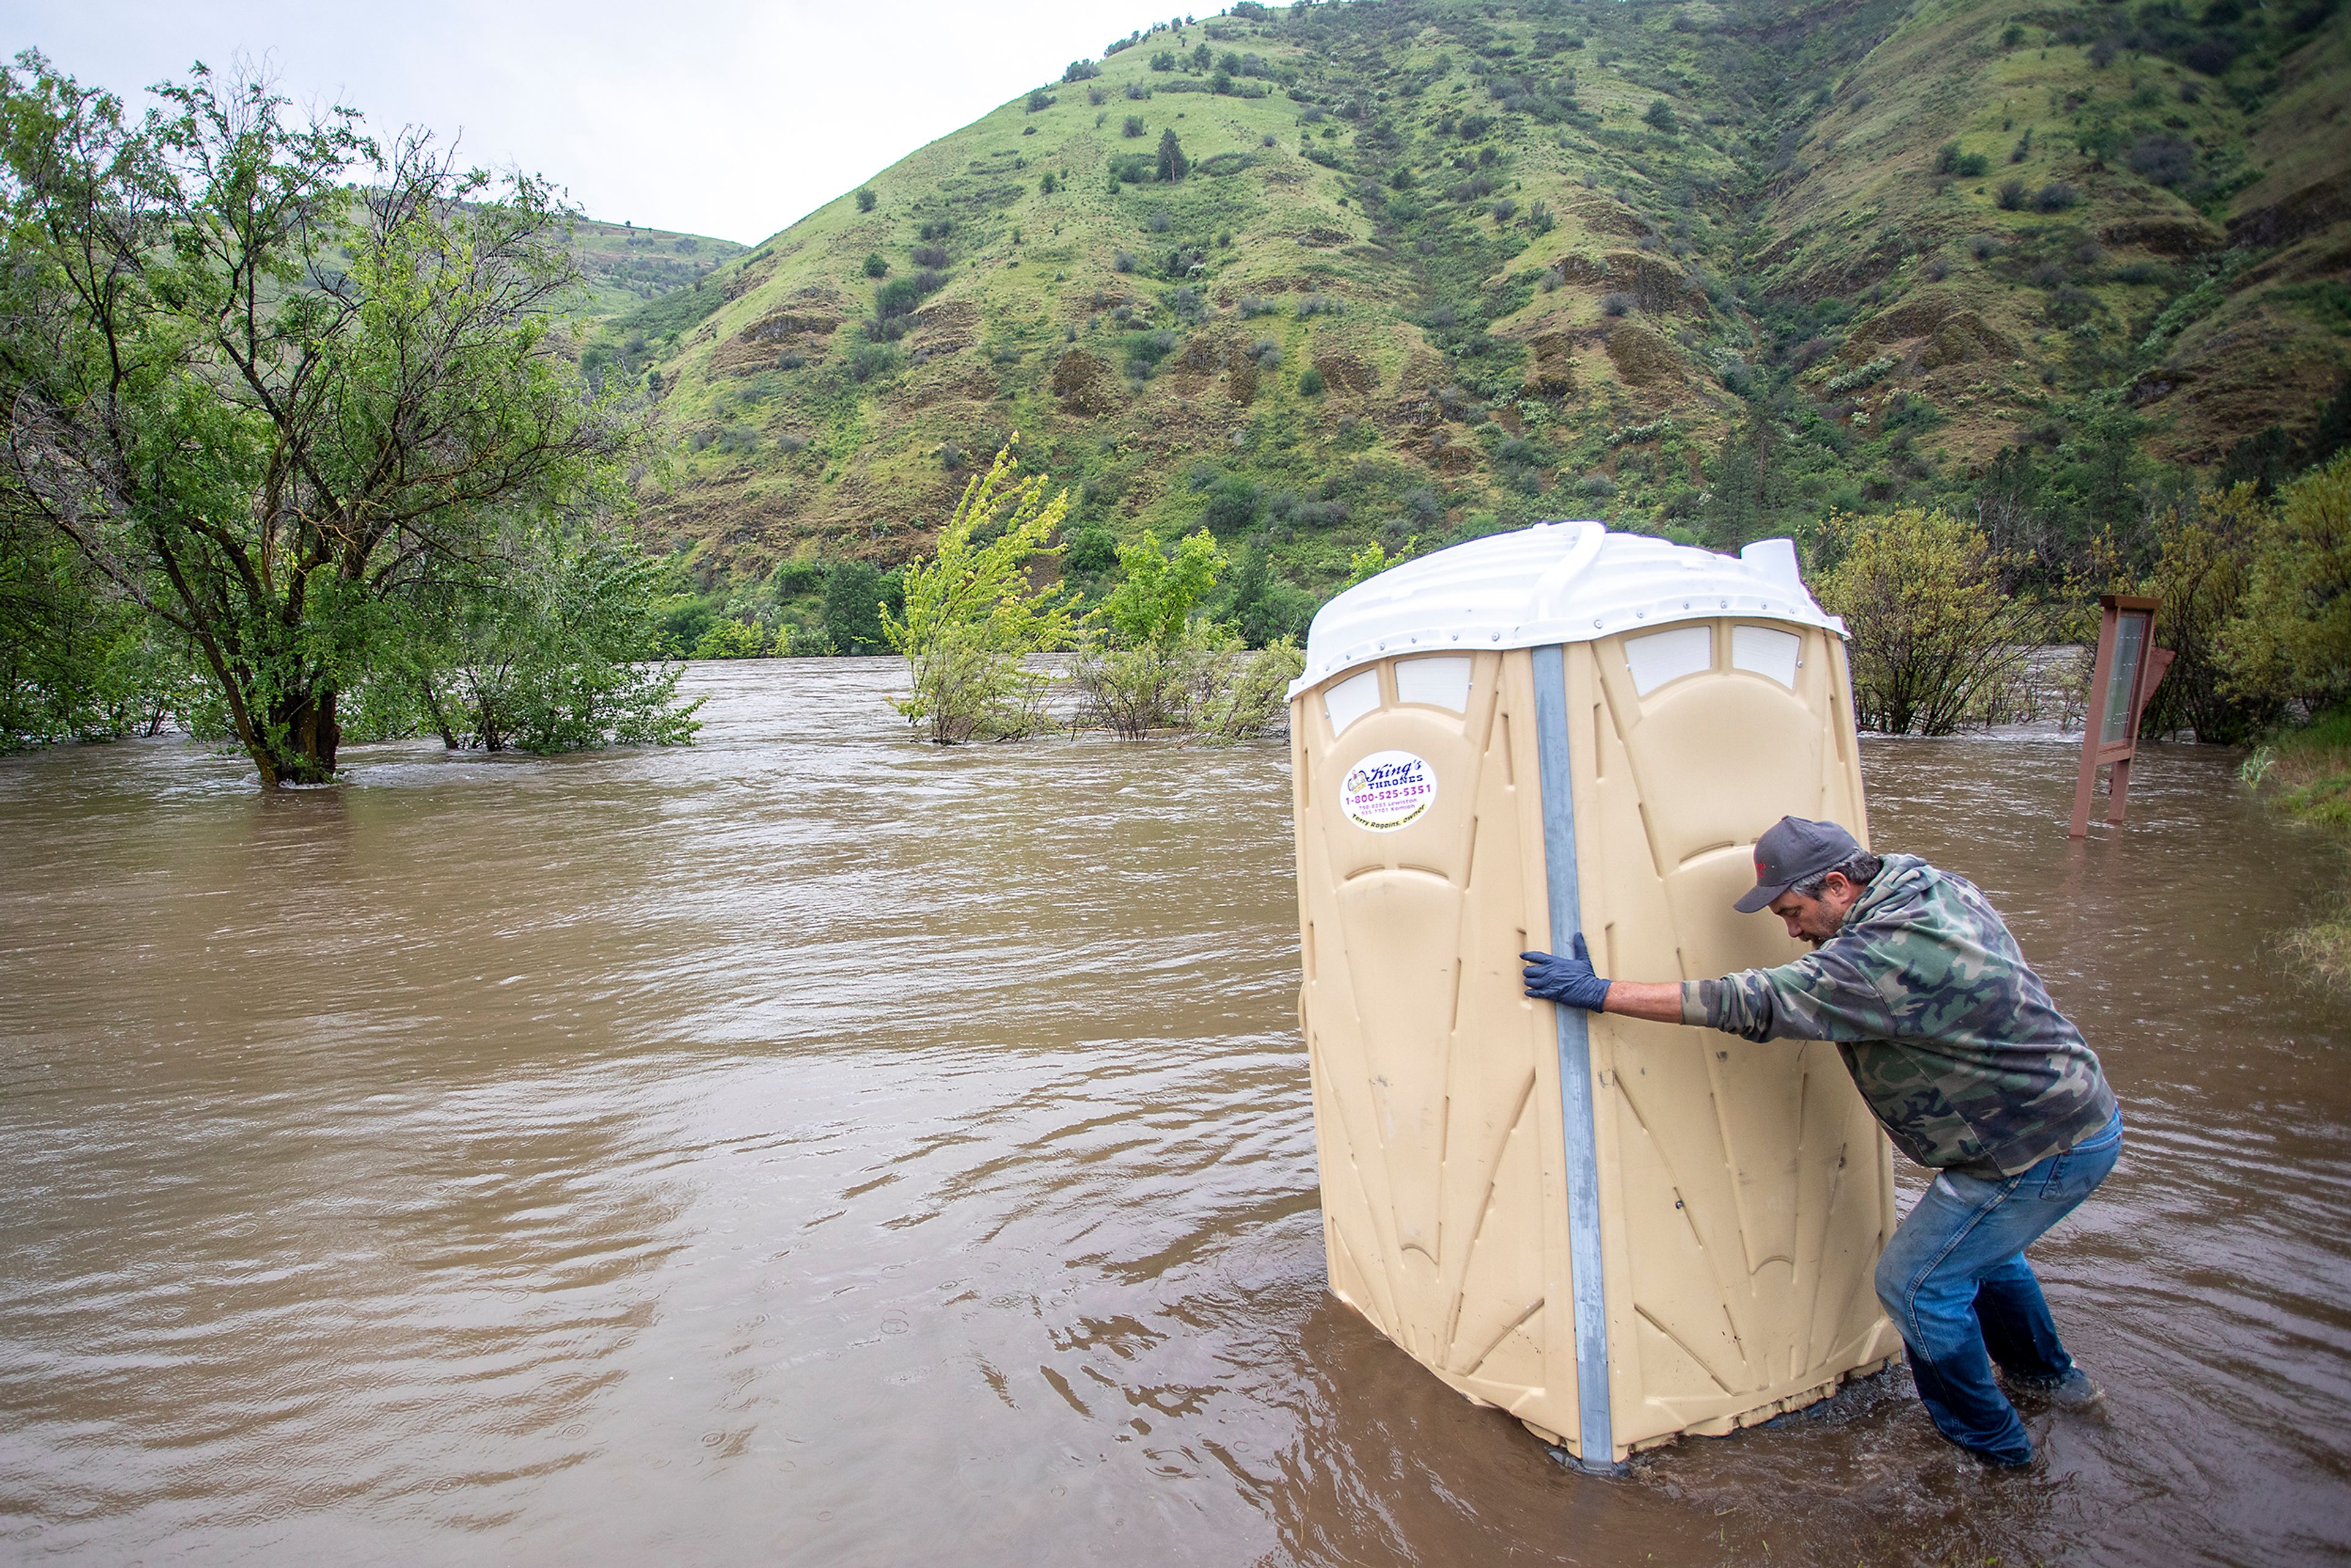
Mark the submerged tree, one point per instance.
(972, 616)
(544, 652)
(1930, 631)
(274, 381)
(1159, 663)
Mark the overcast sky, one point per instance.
(719, 117)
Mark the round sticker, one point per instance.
(1387, 790)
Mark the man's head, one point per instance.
(1810, 874)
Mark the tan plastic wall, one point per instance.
(1745, 1191)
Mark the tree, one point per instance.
(276, 384)
(1154, 601)
(1172, 164)
(2200, 579)
(2289, 639)
(1162, 664)
(971, 615)
(1930, 631)
(854, 596)
(77, 662)
(547, 650)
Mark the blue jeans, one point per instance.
(1955, 1281)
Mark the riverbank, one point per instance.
(2306, 773)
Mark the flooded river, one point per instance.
(813, 1147)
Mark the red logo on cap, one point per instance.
(1758, 868)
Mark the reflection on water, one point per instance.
(815, 1145)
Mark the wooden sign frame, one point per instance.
(2129, 667)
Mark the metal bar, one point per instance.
(1594, 1441)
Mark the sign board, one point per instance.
(2129, 667)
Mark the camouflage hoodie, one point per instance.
(1948, 1031)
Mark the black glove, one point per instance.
(1569, 981)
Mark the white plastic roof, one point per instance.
(1554, 582)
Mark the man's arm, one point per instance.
(1570, 981)
(1645, 999)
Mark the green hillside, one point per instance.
(1431, 270)
(626, 266)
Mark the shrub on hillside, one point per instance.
(1660, 117)
(2054, 197)
(1949, 160)
(1132, 128)
(2012, 197)
(2162, 160)
(1309, 382)
(930, 256)
(866, 198)
(1079, 70)
(875, 266)
(869, 359)
(1039, 100)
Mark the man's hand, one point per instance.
(1568, 981)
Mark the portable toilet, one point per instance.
(1618, 1231)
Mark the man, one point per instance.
(1968, 1066)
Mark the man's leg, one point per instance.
(1962, 1234)
(1927, 1280)
(2017, 1328)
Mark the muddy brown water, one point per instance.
(813, 1147)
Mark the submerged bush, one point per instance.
(1929, 628)
(971, 616)
(1160, 665)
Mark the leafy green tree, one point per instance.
(855, 595)
(972, 616)
(546, 650)
(1930, 631)
(1164, 664)
(728, 637)
(2199, 579)
(876, 264)
(271, 380)
(1154, 601)
(1172, 164)
(2290, 637)
(866, 198)
(77, 662)
(1374, 558)
(1263, 607)
(1660, 117)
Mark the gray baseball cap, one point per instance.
(1790, 850)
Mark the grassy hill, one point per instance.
(626, 266)
(1436, 269)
